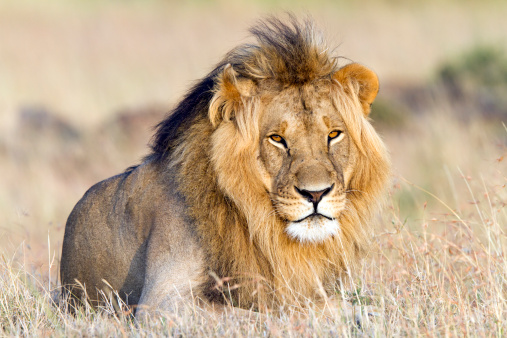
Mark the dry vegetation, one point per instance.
(82, 83)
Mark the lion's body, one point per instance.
(267, 173)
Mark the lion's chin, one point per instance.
(313, 229)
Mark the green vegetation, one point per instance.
(483, 67)
(478, 76)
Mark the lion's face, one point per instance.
(311, 139)
(305, 159)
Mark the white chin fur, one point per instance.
(313, 230)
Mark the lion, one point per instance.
(258, 191)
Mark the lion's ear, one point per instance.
(361, 78)
(230, 95)
(235, 86)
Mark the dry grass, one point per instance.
(439, 264)
(442, 274)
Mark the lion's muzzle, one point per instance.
(314, 197)
(317, 213)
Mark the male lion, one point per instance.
(264, 177)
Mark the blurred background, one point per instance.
(82, 83)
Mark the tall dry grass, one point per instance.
(443, 272)
(437, 266)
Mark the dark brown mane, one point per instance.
(286, 54)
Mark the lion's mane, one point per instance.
(235, 221)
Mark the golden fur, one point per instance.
(213, 145)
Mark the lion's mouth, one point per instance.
(314, 228)
(312, 215)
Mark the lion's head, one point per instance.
(277, 158)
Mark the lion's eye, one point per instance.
(278, 141)
(335, 136)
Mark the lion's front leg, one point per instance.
(174, 274)
(164, 296)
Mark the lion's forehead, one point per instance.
(300, 109)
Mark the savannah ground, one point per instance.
(83, 82)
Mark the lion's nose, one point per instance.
(314, 196)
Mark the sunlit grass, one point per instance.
(446, 275)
